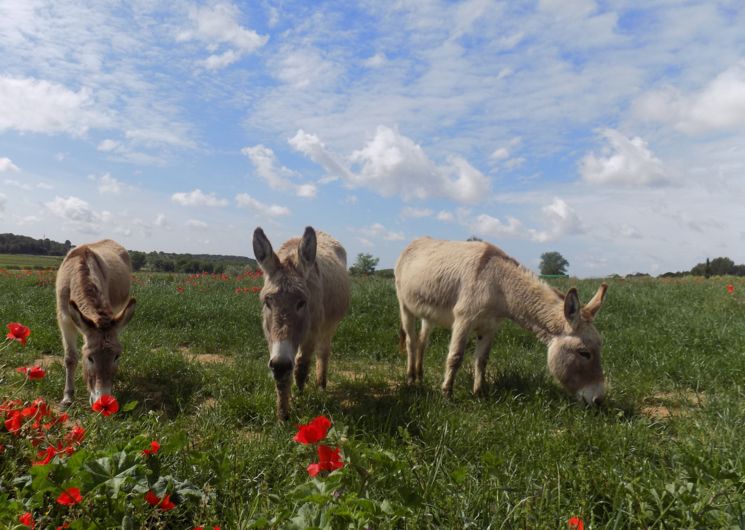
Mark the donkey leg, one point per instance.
(458, 342)
(421, 347)
(322, 362)
(483, 345)
(69, 341)
(302, 364)
(408, 324)
(284, 387)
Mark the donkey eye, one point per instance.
(300, 305)
(116, 358)
(90, 359)
(585, 353)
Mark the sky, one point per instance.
(612, 132)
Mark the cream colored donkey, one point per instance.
(472, 286)
(305, 296)
(93, 298)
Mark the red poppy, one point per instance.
(2, 449)
(33, 372)
(76, 435)
(69, 497)
(154, 448)
(50, 452)
(730, 288)
(575, 523)
(63, 526)
(328, 460)
(202, 528)
(165, 504)
(314, 431)
(180, 289)
(27, 520)
(18, 332)
(106, 405)
(13, 421)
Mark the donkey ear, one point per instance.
(594, 305)
(81, 321)
(122, 319)
(268, 260)
(307, 248)
(572, 307)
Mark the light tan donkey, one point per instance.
(305, 296)
(472, 287)
(93, 284)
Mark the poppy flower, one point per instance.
(575, 523)
(27, 520)
(328, 460)
(730, 288)
(18, 332)
(76, 435)
(314, 431)
(154, 448)
(13, 421)
(63, 526)
(106, 405)
(164, 504)
(34, 373)
(69, 497)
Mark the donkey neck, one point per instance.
(530, 302)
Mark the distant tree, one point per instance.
(138, 259)
(365, 264)
(717, 267)
(707, 269)
(553, 263)
(474, 238)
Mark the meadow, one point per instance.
(28, 261)
(665, 451)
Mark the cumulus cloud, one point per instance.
(217, 26)
(77, 212)
(107, 184)
(720, 105)
(392, 164)
(445, 216)
(40, 106)
(378, 231)
(246, 201)
(276, 175)
(409, 211)
(376, 61)
(197, 198)
(161, 221)
(561, 218)
(626, 161)
(196, 224)
(108, 145)
(7, 165)
(305, 67)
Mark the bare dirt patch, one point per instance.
(663, 405)
(45, 361)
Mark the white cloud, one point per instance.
(26, 185)
(409, 211)
(197, 198)
(217, 25)
(161, 221)
(486, 225)
(3, 200)
(7, 166)
(351, 199)
(107, 184)
(720, 105)
(305, 67)
(108, 145)
(391, 163)
(78, 212)
(246, 201)
(561, 217)
(378, 231)
(445, 216)
(276, 175)
(196, 224)
(501, 153)
(157, 136)
(37, 105)
(376, 61)
(627, 161)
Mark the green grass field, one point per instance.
(666, 451)
(27, 261)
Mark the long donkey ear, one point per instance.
(124, 316)
(268, 260)
(307, 249)
(81, 321)
(594, 305)
(572, 307)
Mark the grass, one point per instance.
(28, 261)
(665, 452)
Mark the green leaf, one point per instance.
(130, 405)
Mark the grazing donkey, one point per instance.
(472, 286)
(305, 295)
(93, 298)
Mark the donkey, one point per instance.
(473, 286)
(305, 296)
(93, 298)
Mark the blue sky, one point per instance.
(611, 133)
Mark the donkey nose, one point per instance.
(597, 400)
(280, 366)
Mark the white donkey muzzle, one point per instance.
(592, 394)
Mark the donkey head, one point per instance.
(286, 312)
(101, 348)
(574, 355)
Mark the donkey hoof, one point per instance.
(66, 402)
